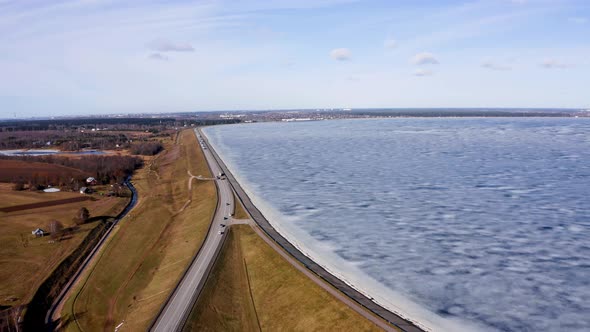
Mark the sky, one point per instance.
(82, 57)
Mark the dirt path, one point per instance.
(190, 192)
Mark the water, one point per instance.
(455, 223)
(47, 152)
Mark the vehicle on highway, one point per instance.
(220, 232)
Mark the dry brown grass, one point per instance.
(239, 211)
(226, 304)
(282, 298)
(23, 269)
(153, 246)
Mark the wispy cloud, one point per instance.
(158, 56)
(164, 45)
(551, 63)
(489, 64)
(423, 72)
(340, 54)
(89, 49)
(424, 58)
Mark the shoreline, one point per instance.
(397, 319)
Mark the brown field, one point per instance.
(38, 205)
(25, 261)
(151, 248)
(11, 170)
(252, 288)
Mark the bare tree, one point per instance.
(82, 216)
(18, 186)
(55, 229)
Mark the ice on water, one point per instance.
(471, 220)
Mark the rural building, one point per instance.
(84, 190)
(38, 232)
(51, 190)
(91, 181)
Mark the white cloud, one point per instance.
(164, 45)
(158, 56)
(340, 54)
(489, 64)
(390, 43)
(578, 20)
(423, 72)
(424, 58)
(554, 64)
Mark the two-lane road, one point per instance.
(176, 311)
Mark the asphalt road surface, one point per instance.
(178, 307)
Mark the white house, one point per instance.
(38, 232)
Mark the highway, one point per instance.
(175, 312)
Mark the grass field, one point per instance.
(150, 248)
(25, 261)
(253, 288)
(239, 211)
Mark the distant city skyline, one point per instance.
(103, 57)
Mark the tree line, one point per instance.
(72, 140)
(146, 148)
(128, 124)
(105, 169)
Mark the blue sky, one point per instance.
(93, 56)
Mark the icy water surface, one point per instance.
(483, 223)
